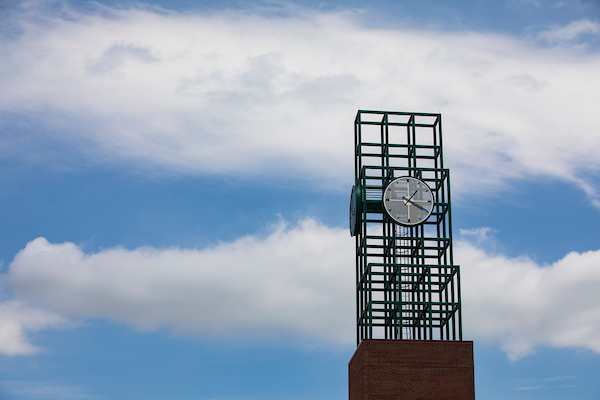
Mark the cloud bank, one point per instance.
(521, 304)
(295, 281)
(298, 281)
(246, 93)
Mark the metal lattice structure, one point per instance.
(407, 284)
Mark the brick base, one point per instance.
(411, 370)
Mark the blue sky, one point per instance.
(175, 179)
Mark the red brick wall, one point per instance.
(412, 369)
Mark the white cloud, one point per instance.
(243, 94)
(477, 233)
(299, 281)
(570, 32)
(522, 304)
(16, 319)
(555, 382)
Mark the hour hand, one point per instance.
(414, 204)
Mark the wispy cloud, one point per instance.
(248, 94)
(478, 233)
(44, 390)
(526, 3)
(570, 32)
(556, 382)
(482, 237)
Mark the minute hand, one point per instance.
(410, 198)
(415, 204)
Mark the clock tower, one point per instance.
(408, 309)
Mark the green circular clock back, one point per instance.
(355, 210)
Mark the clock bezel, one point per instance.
(403, 223)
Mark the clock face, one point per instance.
(408, 201)
(355, 210)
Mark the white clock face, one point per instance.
(408, 201)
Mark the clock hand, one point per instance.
(407, 200)
(416, 205)
(413, 195)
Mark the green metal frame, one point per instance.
(407, 284)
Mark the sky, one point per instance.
(175, 177)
